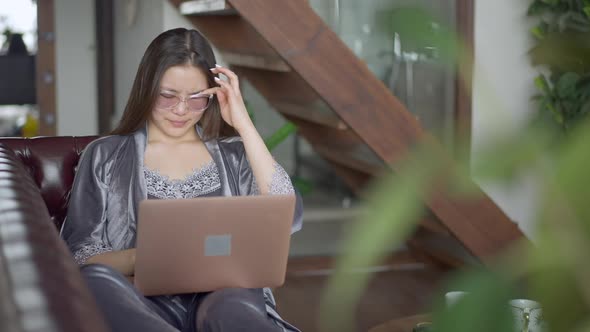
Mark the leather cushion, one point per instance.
(51, 162)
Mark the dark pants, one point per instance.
(125, 309)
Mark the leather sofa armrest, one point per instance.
(41, 288)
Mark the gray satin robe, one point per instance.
(110, 183)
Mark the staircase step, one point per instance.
(442, 249)
(360, 159)
(357, 181)
(318, 113)
(264, 62)
(432, 224)
(249, 50)
(285, 87)
(343, 147)
(231, 33)
(206, 7)
(318, 266)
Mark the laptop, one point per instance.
(209, 243)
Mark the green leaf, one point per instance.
(587, 11)
(538, 32)
(302, 185)
(556, 111)
(542, 85)
(563, 51)
(537, 8)
(566, 85)
(280, 135)
(573, 22)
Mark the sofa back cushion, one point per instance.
(51, 161)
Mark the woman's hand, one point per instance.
(122, 260)
(233, 109)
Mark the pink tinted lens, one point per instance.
(198, 103)
(164, 101)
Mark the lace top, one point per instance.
(200, 182)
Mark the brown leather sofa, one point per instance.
(41, 288)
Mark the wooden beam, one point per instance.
(356, 180)
(46, 68)
(313, 113)
(348, 159)
(464, 77)
(263, 62)
(346, 84)
(286, 87)
(442, 249)
(105, 64)
(232, 34)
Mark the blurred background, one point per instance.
(462, 70)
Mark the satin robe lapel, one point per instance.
(137, 185)
(215, 152)
(140, 192)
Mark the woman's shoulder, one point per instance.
(105, 145)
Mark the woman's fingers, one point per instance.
(227, 90)
(223, 85)
(223, 106)
(210, 91)
(221, 97)
(232, 77)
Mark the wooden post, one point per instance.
(46, 68)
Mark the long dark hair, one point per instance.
(172, 48)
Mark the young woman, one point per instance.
(185, 133)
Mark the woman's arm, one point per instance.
(85, 224)
(269, 176)
(122, 261)
(264, 167)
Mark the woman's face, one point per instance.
(174, 114)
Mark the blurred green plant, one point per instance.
(420, 31)
(563, 48)
(553, 270)
(279, 136)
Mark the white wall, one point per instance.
(173, 18)
(75, 67)
(503, 86)
(137, 23)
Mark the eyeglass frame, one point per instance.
(185, 101)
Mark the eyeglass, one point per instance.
(195, 103)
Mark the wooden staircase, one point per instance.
(350, 118)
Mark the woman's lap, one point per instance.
(125, 309)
